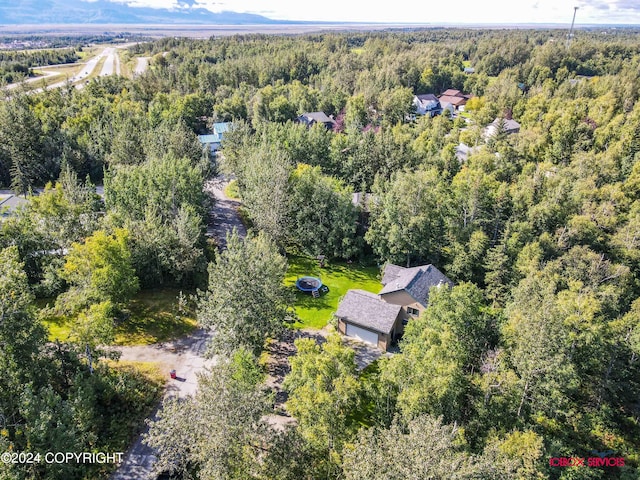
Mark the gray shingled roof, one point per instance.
(319, 117)
(416, 281)
(509, 124)
(10, 203)
(367, 310)
(391, 272)
(428, 101)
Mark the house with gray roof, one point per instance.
(427, 104)
(507, 125)
(311, 118)
(362, 315)
(379, 319)
(10, 203)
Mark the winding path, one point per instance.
(186, 355)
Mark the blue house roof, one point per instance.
(221, 128)
(207, 139)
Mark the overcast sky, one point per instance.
(429, 11)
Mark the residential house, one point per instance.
(10, 203)
(456, 98)
(214, 140)
(380, 319)
(310, 119)
(427, 104)
(507, 125)
(364, 316)
(463, 151)
(469, 70)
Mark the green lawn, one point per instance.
(338, 277)
(466, 63)
(153, 317)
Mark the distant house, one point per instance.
(427, 104)
(463, 151)
(380, 319)
(310, 119)
(214, 139)
(456, 98)
(361, 199)
(447, 107)
(469, 70)
(508, 125)
(9, 203)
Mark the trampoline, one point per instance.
(308, 284)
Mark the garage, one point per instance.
(362, 334)
(363, 316)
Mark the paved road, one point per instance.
(80, 76)
(111, 64)
(11, 86)
(224, 217)
(186, 355)
(141, 65)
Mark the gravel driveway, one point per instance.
(186, 355)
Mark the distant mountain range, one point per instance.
(16, 12)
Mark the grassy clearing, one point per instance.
(90, 52)
(357, 51)
(153, 317)
(466, 63)
(338, 277)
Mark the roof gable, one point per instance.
(427, 100)
(319, 117)
(416, 281)
(367, 310)
(509, 124)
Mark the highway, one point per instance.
(141, 65)
(111, 66)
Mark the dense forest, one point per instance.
(533, 355)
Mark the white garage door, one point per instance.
(362, 334)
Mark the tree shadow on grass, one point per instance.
(152, 323)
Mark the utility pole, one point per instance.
(575, 9)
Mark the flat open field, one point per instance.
(197, 31)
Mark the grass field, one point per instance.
(337, 277)
(153, 317)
